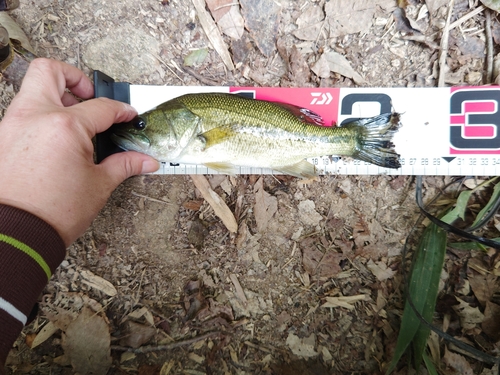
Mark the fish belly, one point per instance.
(258, 149)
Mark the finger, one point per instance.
(96, 115)
(118, 167)
(48, 79)
(68, 100)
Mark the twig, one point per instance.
(444, 45)
(239, 290)
(168, 67)
(469, 15)
(226, 5)
(151, 199)
(172, 345)
(489, 52)
(213, 33)
(199, 77)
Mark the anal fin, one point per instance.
(302, 169)
(222, 167)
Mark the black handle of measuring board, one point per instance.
(106, 87)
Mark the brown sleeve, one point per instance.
(30, 251)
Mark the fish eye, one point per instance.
(139, 123)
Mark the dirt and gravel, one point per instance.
(311, 281)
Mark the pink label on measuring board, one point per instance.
(323, 101)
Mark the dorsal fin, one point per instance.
(305, 115)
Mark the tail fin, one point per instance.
(375, 140)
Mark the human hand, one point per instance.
(46, 151)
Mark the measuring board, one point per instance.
(445, 131)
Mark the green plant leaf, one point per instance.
(430, 365)
(467, 246)
(459, 209)
(492, 4)
(423, 289)
(196, 57)
(470, 245)
(494, 198)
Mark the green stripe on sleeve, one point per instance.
(28, 251)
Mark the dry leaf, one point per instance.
(347, 302)
(142, 312)
(197, 233)
(469, 316)
(339, 64)
(219, 8)
(167, 367)
(457, 362)
(302, 347)
(321, 67)
(61, 318)
(299, 68)
(353, 16)
(15, 32)
(403, 23)
(317, 263)
(435, 5)
(137, 334)
(193, 205)
(310, 23)
(262, 21)
(265, 205)
(219, 206)
(491, 323)
(308, 214)
(45, 333)
(232, 23)
(380, 270)
(483, 286)
(86, 343)
(98, 283)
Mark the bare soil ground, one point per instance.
(173, 270)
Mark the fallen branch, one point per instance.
(444, 46)
(489, 50)
(172, 345)
(213, 33)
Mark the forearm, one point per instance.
(30, 251)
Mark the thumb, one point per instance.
(123, 165)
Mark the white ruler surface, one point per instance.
(446, 131)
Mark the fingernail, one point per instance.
(150, 166)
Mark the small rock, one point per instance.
(125, 54)
(297, 234)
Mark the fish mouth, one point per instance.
(130, 142)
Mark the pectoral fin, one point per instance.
(217, 135)
(222, 167)
(301, 169)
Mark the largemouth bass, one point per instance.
(225, 131)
